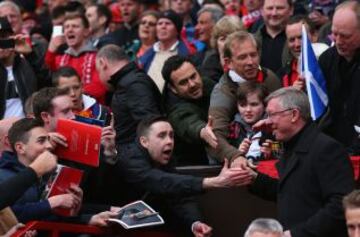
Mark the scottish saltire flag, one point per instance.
(314, 78)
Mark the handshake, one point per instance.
(241, 175)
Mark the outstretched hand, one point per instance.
(233, 177)
(262, 125)
(208, 135)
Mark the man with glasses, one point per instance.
(314, 170)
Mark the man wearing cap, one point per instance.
(18, 80)
(168, 30)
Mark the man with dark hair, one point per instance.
(80, 54)
(315, 171)
(99, 17)
(30, 140)
(51, 104)
(187, 98)
(149, 174)
(135, 94)
(271, 36)
(351, 204)
(31, 143)
(83, 105)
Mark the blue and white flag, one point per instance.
(314, 78)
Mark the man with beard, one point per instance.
(187, 99)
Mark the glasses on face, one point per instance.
(149, 23)
(273, 114)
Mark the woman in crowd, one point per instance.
(147, 35)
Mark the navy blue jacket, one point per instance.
(146, 60)
(28, 207)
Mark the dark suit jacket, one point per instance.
(313, 180)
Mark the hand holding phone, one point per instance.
(7, 43)
(57, 30)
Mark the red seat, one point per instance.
(268, 167)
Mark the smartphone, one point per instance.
(7, 43)
(108, 119)
(57, 30)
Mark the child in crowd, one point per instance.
(253, 145)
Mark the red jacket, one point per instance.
(84, 64)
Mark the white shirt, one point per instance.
(14, 106)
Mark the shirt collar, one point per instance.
(172, 48)
(236, 77)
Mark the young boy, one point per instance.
(251, 108)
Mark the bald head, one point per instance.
(5, 125)
(346, 29)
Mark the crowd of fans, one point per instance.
(178, 83)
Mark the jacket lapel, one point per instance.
(285, 171)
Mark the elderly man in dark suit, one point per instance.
(315, 170)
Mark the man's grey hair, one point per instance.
(112, 53)
(291, 98)
(264, 225)
(12, 5)
(216, 13)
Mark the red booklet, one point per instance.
(84, 142)
(59, 182)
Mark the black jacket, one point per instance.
(342, 82)
(135, 97)
(163, 189)
(25, 81)
(314, 177)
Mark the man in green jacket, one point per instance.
(187, 99)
